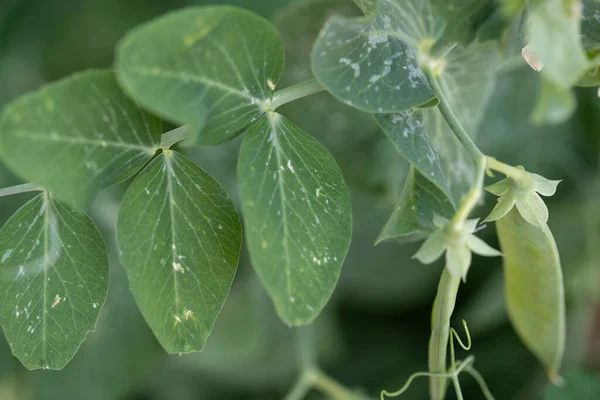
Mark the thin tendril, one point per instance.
(453, 332)
(477, 376)
(462, 366)
(455, 380)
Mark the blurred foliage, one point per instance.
(374, 332)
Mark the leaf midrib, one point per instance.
(194, 78)
(273, 119)
(82, 141)
(167, 155)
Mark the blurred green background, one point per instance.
(374, 332)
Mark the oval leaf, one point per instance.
(211, 67)
(534, 288)
(54, 276)
(77, 136)
(373, 71)
(298, 215)
(179, 236)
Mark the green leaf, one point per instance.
(54, 276)
(77, 136)
(590, 25)
(413, 216)
(179, 237)
(340, 127)
(461, 16)
(458, 166)
(214, 68)
(368, 63)
(534, 288)
(368, 7)
(553, 30)
(298, 216)
(468, 81)
(373, 63)
(406, 130)
(554, 104)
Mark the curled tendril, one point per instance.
(456, 368)
(462, 365)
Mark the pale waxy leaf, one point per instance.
(214, 68)
(54, 276)
(297, 213)
(367, 63)
(554, 32)
(415, 213)
(534, 288)
(468, 81)
(590, 25)
(458, 166)
(77, 136)
(368, 7)
(179, 236)
(406, 130)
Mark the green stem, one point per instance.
(469, 202)
(175, 136)
(451, 119)
(26, 187)
(333, 389)
(313, 378)
(301, 388)
(295, 92)
(508, 170)
(305, 337)
(443, 307)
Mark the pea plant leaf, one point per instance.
(590, 25)
(534, 288)
(214, 68)
(424, 138)
(54, 277)
(368, 7)
(371, 63)
(468, 81)
(413, 216)
(77, 136)
(554, 31)
(298, 216)
(179, 236)
(406, 130)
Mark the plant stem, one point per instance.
(295, 92)
(26, 187)
(306, 347)
(175, 136)
(508, 170)
(331, 387)
(469, 202)
(312, 377)
(301, 388)
(451, 119)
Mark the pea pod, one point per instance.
(440, 331)
(534, 288)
